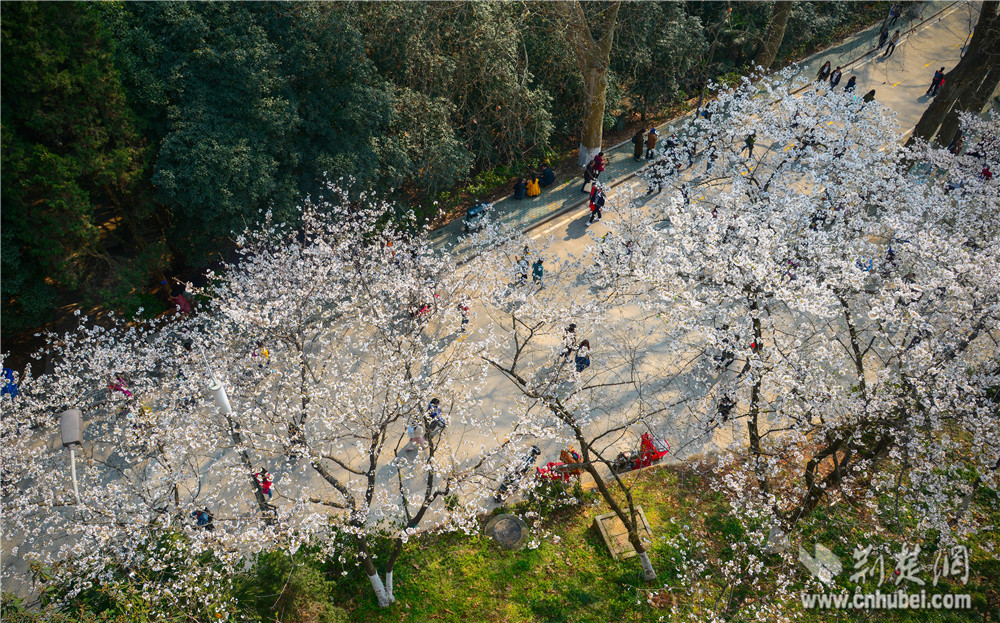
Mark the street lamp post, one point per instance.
(71, 428)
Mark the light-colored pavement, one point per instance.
(932, 36)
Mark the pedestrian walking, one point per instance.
(416, 432)
(851, 83)
(599, 163)
(463, 310)
(637, 143)
(522, 269)
(869, 96)
(824, 72)
(548, 176)
(589, 175)
(883, 36)
(569, 340)
(936, 83)
(986, 174)
(537, 272)
(892, 44)
(435, 418)
(835, 77)
(894, 12)
(596, 205)
(726, 406)
(749, 142)
(650, 143)
(533, 189)
(265, 482)
(582, 359)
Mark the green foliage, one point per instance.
(290, 588)
(251, 105)
(655, 46)
(138, 136)
(73, 165)
(465, 90)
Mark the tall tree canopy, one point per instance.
(73, 163)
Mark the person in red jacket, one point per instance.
(265, 481)
(936, 83)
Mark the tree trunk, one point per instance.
(648, 573)
(775, 33)
(382, 592)
(595, 99)
(971, 101)
(968, 74)
(592, 59)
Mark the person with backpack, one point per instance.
(651, 143)
(435, 419)
(596, 205)
(637, 142)
(537, 272)
(936, 83)
(204, 518)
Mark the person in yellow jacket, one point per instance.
(533, 188)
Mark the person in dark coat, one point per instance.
(589, 175)
(936, 82)
(596, 206)
(892, 44)
(520, 188)
(638, 144)
(883, 36)
(650, 143)
(835, 77)
(851, 83)
(824, 72)
(869, 96)
(548, 176)
(748, 143)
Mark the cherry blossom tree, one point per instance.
(838, 311)
(333, 337)
(315, 357)
(144, 467)
(597, 385)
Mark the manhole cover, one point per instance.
(507, 530)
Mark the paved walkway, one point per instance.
(566, 195)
